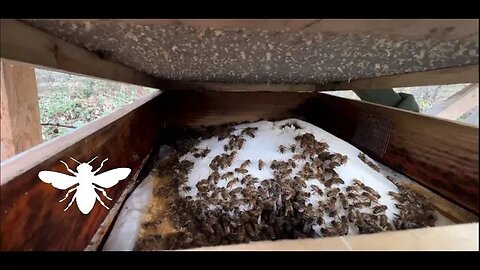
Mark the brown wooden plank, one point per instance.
(20, 112)
(24, 43)
(32, 217)
(109, 221)
(239, 87)
(453, 29)
(458, 104)
(7, 144)
(465, 74)
(453, 237)
(453, 75)
(194, 109)
(440, 154)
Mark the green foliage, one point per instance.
(75, 101)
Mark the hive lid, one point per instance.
(274, 51)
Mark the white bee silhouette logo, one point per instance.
(85, 194)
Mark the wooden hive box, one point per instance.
(440, 156)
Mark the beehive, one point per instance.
(441, 156)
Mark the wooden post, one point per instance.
(20, 113)
(455, 106)
(473, 118)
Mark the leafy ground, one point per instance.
(74, 100)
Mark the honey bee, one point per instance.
(225, 194)
(379, 209)
(351, 216)
(328, 231)
(250, 131)
(358, 183)
(300, 181)
(282, 149)
(200, 153)
(293, 147)
(236, 190)
(397, 196)
(362, 204)
(265, 183)
(317, 189)
(224, 132)
(227, 175)
(369, 196)
(383, 220)
(216, 192)
(333, 192)
(337, 180)
(232, 182)
(392, 179)
(186, 189)
(369, 189)
(242, 171)
(328, 183)
(282, 174)
(205, 152)
(214, 177)
(185, 166)
(374, 166)
(332, 172)
(362, 157)
(245, 164)
(343, 201)
(274, 165)
(247, 179)
(292, 163)
(288, 208)
(270, 232)
(351, 189)
(299, 157)
(330, 209)
(261, 164)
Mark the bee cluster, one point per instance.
(415, 211)
(371, 164)
(287, 206)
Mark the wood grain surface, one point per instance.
(32, 217)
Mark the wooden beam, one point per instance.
(446, 29)
(473, 118)
(32, 217)
(453, 75)
(24, 43)
(20, 112)
(453, 237)
(238, 87)
(458, 104)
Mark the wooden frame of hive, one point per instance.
(440, 155)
